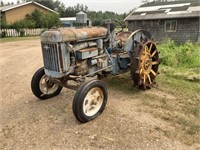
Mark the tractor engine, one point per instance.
(74, 51)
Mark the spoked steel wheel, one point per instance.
(144, 58)
(148, 64)
(43, 87)
(90, 100)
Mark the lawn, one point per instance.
(12, 39)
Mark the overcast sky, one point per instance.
(119, 6)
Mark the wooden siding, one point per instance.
(19, 13)
(187, 29)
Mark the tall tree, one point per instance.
(2, 4)
(59, 7)
(71, 11)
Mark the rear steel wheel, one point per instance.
(144, 64)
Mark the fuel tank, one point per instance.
(72, 34)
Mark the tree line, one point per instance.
(97, 17)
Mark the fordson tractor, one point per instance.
(72, 55)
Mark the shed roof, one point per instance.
(68, 19)
(81, 13)
(9, 7)
(166, 10)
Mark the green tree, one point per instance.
(21, 24)
(51, 20)
(2, 3)
(59, 7)
(37, 17)
(3, 24)
(44, 20)
(71, 11)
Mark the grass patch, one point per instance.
(177, 98)
(185, 55)
(12, 39)
(176, 101)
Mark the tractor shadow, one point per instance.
(122, 83)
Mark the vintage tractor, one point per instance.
(70, 56)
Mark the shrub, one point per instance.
(51, 20)
(44, 20)
(23, 24)
(22, 33)
(3, 24)
(184, 55)
(3, 34)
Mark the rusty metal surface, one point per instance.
(83, 34)
(82, 45)
(136, 37)
(72, 34)
(88, 49)
(123, 35)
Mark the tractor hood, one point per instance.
(72, 34)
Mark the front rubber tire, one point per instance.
(79, 108)
(36, 89)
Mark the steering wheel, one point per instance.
(117, 22)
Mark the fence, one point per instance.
(21, 32)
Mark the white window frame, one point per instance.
(171, 23)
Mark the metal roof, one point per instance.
(68, 19)
(81, 13)
(166, 10)
(9, 7)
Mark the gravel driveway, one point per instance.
(28, 123)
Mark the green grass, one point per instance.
(180, 108)
(12, 39)
(183, 55)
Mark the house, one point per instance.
(81, 18)
(18, 12)
(177, 20)
(68, 21)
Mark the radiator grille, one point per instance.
(52, 56)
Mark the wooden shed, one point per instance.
(177, 20)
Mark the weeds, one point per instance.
(185, 55)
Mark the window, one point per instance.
(170, 26)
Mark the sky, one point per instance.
(119, 6)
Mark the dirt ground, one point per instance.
(28, 123)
